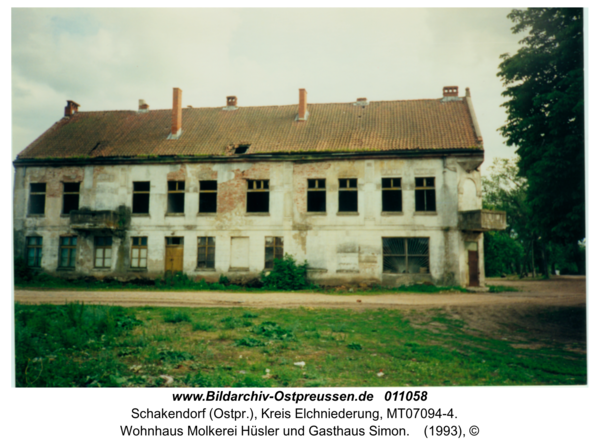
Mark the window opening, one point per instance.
(175, 241)
(391, 194)
(139, 252)
(316, 200)
(348, 195)
(242, 149)
(176, 197)
(34, 251)
(103, 251)
(405, 255)
(257, 198)
(68, 251)
(273, 250)
(425, 194)
(141, 198)
(208, 196)
(206, 252)
(37, 198)
(70, 197)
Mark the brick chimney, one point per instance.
(71, 108)
(176, 114)
(302, 110)
(232, 101)
(450, 91)
(143, 107)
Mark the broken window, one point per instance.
(391, 194)
(176, 197)
(34, 251)
(316, 199)
(70, 197)
(257, 198)
(139, 252)
(208, 196)
(405, 255)
(37, 198)
(206, 253)
(425, 194)
(141, 198)
(348, 195)
(273, 250)
(102, 252)
(68, 250)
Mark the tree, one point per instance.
(544, 86)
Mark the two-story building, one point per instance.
(386, 191)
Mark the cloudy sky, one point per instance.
(108, 59)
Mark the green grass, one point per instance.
(501, 289)
(82, 346)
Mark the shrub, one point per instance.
(286, 275)
(224, 280)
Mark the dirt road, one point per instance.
(559, 291)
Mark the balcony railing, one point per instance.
(481, 220)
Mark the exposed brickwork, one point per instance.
(176, 117)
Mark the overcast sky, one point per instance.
(108, 59)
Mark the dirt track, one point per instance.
(559, 291)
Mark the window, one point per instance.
(425, 194)
(391, 194)
(257, 198)
(316, 199)
(348, 195)
(206, 253)
(208, 196)
(68, 250)
(176, 198)
(405, 255)
(273, 250)
(141, 198)
(34, 251)
(139, 252)
(70, 197)
(103, 252)
(37, 198)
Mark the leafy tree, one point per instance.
(544, 86)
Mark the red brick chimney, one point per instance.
(451, 91)
(176, 115)
(302, 111)
(71, 108)
(232, 101)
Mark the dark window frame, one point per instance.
(140, 193)
(428, 194)
(35, 243)
(139, 243)
(409, 252)
(348, 187)
(273, 245)
(316, 195)
(174, 188)
(65, 243)
(256, 187)
(210, 197)
(66, 210)
(34, 197)
(205, 243)
(391, 195)
(103, 243)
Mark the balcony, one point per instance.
(481, 220)
(90, 220)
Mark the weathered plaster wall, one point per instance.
(339, 247)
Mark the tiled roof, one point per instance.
(378, 126)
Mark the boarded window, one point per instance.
(208, 196)
(206, 253)
(139, 252)
(405, 255)
(348, 195)
(34, 251)
(240, 247)
(68, 251)
(176, 197)
(257, 200)
(425, 194)
(273, 250)
(316, 199)
(391, 194)
(70, 197)
(37, 198)
(141, 198)
(102, 252)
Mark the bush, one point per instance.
(286, 275)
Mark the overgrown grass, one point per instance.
(77, 345)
